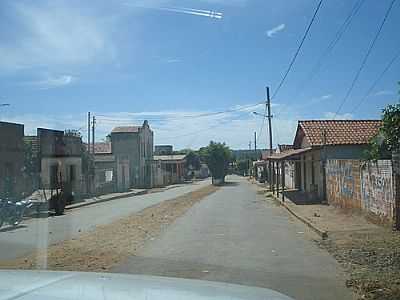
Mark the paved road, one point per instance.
(235, 236)
(39, 233)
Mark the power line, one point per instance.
(375, 83)
(364, 61)
(298, 50)
(169, 117)
(342, 29)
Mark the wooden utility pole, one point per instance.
(269, 117)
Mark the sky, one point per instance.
(176, 62)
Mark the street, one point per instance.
(236, 236)
(39, 233)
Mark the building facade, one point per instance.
(60, 160)
(132, 147)
(12, 182)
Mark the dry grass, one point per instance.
(108, 245)
(372, 259)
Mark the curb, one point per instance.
(78, 205)
(322, 233)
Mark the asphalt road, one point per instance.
(236, 236)
(39, 233)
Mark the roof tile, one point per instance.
(340, 132)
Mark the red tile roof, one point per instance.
(126, 129)
(338, 132)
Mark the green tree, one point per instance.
(391, 126)
(242, 166)
(388, 138)
(217, 157)
(193, 160)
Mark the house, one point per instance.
(105, 170)
(132, 147)
(168, 169)
(317, 141)
(59, 159)
(163, 149)
(12, 182)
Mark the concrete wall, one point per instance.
(63, 168)
(123, 174)
(11, 159)
(361, 185)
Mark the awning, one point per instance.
(288, 155)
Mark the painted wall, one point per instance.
(343, 185)
(377, 188)
(361, 185)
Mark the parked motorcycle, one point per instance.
(13, 212)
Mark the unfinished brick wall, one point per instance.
(343, 184)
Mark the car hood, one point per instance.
(45, 285)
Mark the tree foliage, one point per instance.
(388, 138)
(217, 157)
(391, 126)
(193, 161)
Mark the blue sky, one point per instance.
(165, 60)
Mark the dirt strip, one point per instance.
(108, 245)
(372, 258)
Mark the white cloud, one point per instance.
(332, 115)
(53, 82)
(54, 35)
(271, 32)
(384, 93)
(173, 60)
(321, 98)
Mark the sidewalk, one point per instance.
(115, 196)
(107, 197)
(325, 219)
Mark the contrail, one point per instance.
(195, 12)
(184, 10)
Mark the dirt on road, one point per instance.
(111, 244)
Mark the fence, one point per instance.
(361, 185)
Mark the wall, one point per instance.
(377, 188)
(343, 185)
(11, 159)
(361, 185)
(63, 164)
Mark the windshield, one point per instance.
(247, 142)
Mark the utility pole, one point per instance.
(269, 117)
(255, 156)
(88, 135)
(255, 142)
(93, 128)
